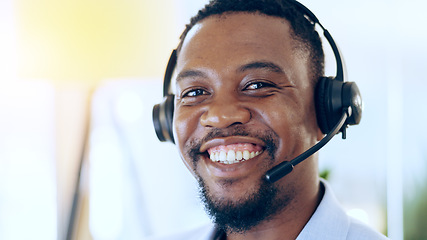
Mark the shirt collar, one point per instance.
(328, 221)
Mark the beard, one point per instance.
(245, 213)
(261, 204)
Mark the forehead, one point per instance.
(221, 42)
(234, 24)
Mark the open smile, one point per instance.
(234, 153)
(232, 150)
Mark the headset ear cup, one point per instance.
(320, 99)
(163, 118)
(353, 99)
(332, 97)
(329, 103)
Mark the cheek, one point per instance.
(184, 126)
(295, 128)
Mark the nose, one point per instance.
(225, 112)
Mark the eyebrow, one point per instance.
(190, 73)
(270, 66)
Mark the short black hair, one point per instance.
(302, 29)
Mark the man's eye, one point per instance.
(194, 93)
(257, 85)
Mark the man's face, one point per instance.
(244, 103)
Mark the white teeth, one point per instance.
(246, 155)
(239, 155)
(232, 156)
(222, 156)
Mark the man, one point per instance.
(245, 77)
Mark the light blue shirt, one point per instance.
(329, 221)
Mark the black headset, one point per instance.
(332, 94)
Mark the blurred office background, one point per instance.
(76, 70)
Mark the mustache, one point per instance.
(269, 137)
(220, 133)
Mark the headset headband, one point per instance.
(332, 96)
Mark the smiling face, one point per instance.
(244, 103)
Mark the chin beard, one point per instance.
(243, 214)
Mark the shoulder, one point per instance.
(353, 228)
(359, 230)
(331, 222)
(202, 233)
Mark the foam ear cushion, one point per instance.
(321, 103)
(169, 108)
(162, 119)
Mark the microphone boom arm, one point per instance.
(286, 167)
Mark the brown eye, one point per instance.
(254, 86)
(195, 93)
(257, 85)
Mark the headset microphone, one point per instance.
(286, 167)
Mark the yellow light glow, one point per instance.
(88, 41)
